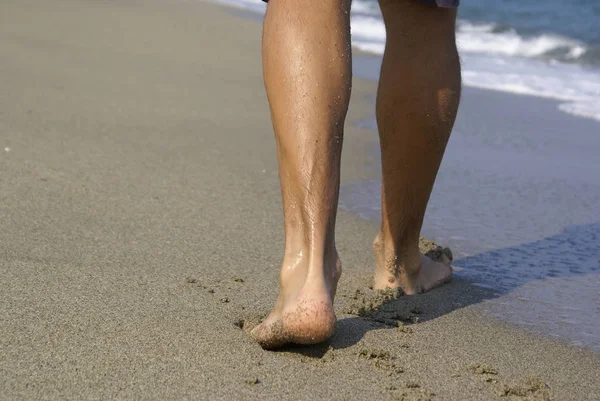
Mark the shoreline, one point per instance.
(493, 127)
(512, 159)
(140, 186)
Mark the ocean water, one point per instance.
(517, 199)
(549, 49)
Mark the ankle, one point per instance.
(314, 258)
(398, 257)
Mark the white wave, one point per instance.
(506, 62)
(483, 38)
(578, 89)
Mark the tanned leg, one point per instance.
(307, 72)
(417, 101)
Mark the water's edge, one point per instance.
(518, 222)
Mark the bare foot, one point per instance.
(303, 313)
(413, 274)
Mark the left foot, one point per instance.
(303, 313)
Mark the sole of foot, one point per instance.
(302, 315)
(310, 321)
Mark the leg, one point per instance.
(307, 71)
(417, 101)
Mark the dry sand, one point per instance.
(141, 227)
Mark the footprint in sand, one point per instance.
(531, 389)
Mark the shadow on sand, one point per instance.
(573, 252)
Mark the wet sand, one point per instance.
(516, 200)
(141, 227)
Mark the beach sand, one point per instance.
(141, 231)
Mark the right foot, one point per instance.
(413, 275)
(303, 313)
